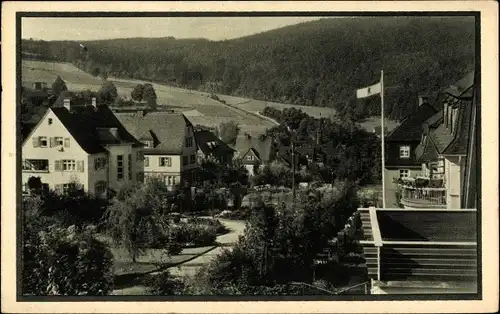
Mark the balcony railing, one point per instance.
(421, 192)
(422, 197)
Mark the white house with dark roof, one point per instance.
(170, 145)
(81, 146)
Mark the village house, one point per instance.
(400, 146)
(209, 145)
(81, 146)
(442, 152)
(170, 151)
(254, 152)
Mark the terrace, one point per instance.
(420, 250)
(421, 192)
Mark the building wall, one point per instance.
(115, 150)
(73, 152)
(453, 178)
(189, 151)
(94, 175)
(163, 172)
(391, 188)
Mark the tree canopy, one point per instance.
(108, 92)
(318, 63)
(59, 86)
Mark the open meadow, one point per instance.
(196, 105)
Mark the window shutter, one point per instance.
(159, 161)
(169, 162)
(58, 165)
(79, 165)
(59, 188)
(66, 142)
(52, 142)
(95, 163)
(36, 141)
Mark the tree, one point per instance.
(136, 94)
(60, 260)
(35, 184)
(149, 95)
(104, 75)
(136, 218)
(228, 132)
(59, 86)
(108, 92)
(95, 71)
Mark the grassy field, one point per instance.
(200, 108)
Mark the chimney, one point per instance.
(94, 102)
(67, 103)
(422, 99)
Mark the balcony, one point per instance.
(421, 193)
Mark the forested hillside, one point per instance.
(317, 63)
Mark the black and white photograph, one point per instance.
(248, 156)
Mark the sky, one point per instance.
(213, 28)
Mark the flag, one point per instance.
(369, 91)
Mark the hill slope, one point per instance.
(315, 63)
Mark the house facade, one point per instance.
(401, 146)
(254, 152)
(209, 145)
(170, 149)
(444, 152)
(81, 146)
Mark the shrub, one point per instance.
(193, 234)
(163, 284)
(62, 261)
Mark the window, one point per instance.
(58, 141)
(68, 187)
(404, 151)
(250, 157)
(146, 161)
(189, 141)
(193, 159)
(36, 165)
(43, 141)
(50, 121)
(139, 156)
(185, 160)
(173, 180)
(100, 162)
(69, 165)
(404, 173)
(129, 166)
(169, 180)
(165, 162)
(119, 167)
(100, 187)
(149, 144)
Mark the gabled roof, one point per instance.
(263, 147)
(459, 143)
(410, 128)
(208, 143)
(167, 129)
(461, 88)
(90, 126)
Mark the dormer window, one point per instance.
(250, 157)
(404, 151)
(148, 144)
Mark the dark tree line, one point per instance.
(318, 63)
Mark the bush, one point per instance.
(62, 261)
(193, 234)
(163, 284)
(213, 223)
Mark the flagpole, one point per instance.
(382, 134)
